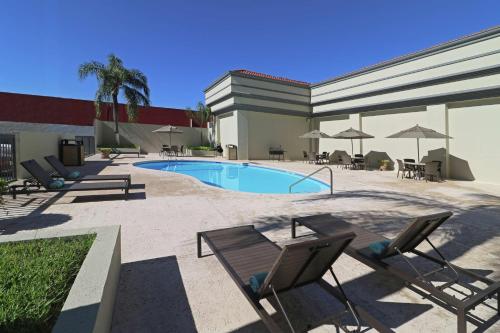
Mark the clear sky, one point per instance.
(183, 45)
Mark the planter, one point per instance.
(90, 302)
(385, 165)
(201, 153)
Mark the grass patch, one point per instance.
(35, 279)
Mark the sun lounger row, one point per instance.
(79, 182)
(261, 269)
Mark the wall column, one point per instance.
(356, 121)
(438, 114)
(242, 122)
(447, 132)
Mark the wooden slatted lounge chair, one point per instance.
(44, 179)
(244, 252)
(361, 249)
(67, 174)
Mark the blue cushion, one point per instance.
(74, 175)
(379, 248)
(56, 184)
(257, 280)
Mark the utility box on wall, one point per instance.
(71, 152)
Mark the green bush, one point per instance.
(118, 146)
(206, 148)
(36, 277)
(4, 188)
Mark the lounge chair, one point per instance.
(44, 179)
(68, 175)
(367, 245)
(245, 253)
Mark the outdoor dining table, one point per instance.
(419, 168)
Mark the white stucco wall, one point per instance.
(227, 130)
(272, 130)
(471, 56)
(36, 145)
(143, 135)
(475, 144)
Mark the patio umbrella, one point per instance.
(315, 134)
(351, 133)
(168, 129)
(418, 132)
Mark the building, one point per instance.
(453, 88)
(32, 127)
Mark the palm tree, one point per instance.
(201, 116)
(113, 78)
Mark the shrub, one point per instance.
(206, 148)
(4, 188)
(118, 146)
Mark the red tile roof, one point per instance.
(267, 76)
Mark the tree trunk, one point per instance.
(115, 118)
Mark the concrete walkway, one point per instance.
(165, 288)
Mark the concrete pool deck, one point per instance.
(165, 288)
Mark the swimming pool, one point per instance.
(239, 177)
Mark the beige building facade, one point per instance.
(453, 88)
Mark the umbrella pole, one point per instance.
(352, 148)
(418, 150)
(170, 138)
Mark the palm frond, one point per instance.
(137, 80)
(91, 68)
(134, 99)
(101, 97)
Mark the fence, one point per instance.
(8, 157)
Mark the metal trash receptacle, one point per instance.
(72, 152)
(232, 152)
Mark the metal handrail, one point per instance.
(311, 174)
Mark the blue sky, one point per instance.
(182, 46)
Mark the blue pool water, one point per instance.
(239, 177)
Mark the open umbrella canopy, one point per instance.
(352, 133)
(316, 134)
(168, 129)
(419, 132)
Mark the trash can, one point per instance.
(232, 152)
(72, 152)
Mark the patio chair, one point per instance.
(372, 250)
(403, 169)
(432, 170)
(63, 172)
(44, 179)
(305, 156)
(261, 269)
(164, 151)
(358, 162)
(175, 150)
(325, 157)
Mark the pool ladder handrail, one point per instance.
(310, 175)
